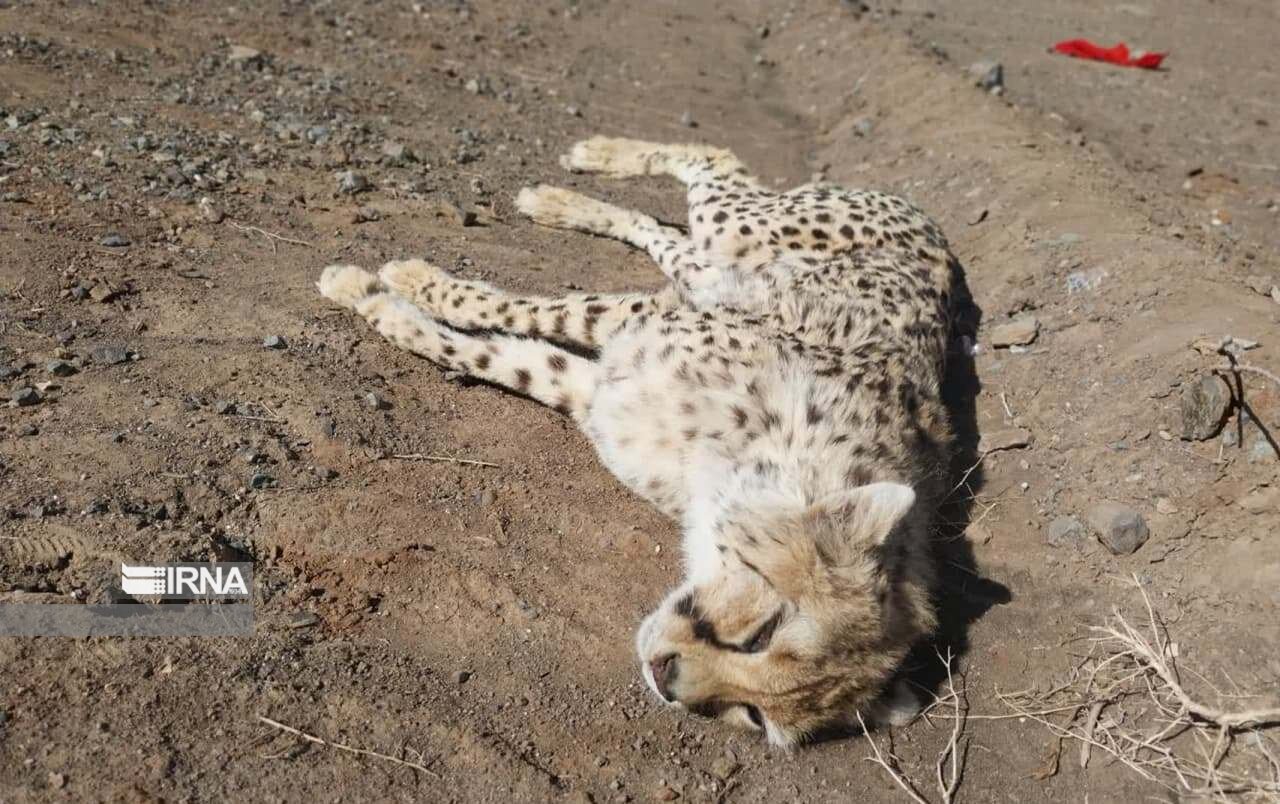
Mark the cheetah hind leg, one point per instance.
(580, 319)
(548, 374)
(620, 158)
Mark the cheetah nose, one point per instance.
(664, 672)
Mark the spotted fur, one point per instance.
(779, 398)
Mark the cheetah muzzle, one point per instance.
(780, 398)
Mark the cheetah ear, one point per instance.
(871, 512)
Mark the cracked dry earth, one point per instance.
(174, 176)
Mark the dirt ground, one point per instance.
(171, 185)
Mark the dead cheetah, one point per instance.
(780, 398)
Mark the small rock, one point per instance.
(303, 619)
(396, 153)
(24, 397)
(209, 212)
(57, 780)
(455, 213)
(366, 215)
(1205, 405)
(1261, 285)
(1015, 438)
(665, 793)
(241, 54)
(988, 74)
(462, 677)
(261, 480)
(1165, 506)
(1080, 281)
(29, 430)
(376, 402)
(573, 111)
(115, 240)
(1262, 501)
(274, 342)
(102, 293)
(60, 368)
(724, 767)
(1120, 528)
(109, 355)
(324, 472)
(224, 407)
(1065, 531)
(1261, 451)
(863, 126)
(1018, 332)
(351, 183)
(687, 120)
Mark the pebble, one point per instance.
(29, 430)
(573, 111)
(1261, 451)
(863, 126)
(303, 619)
(455, 213)
(462, 677)
(724, 767)
(261, 480)
(351, 183)
(115, 240)
(224, 407)
(1018, 332)
(687, 120)
(1262, 501)
(324, 472)
(1205, 405)
(366, 215)
(1165, 506)
(397, 153)
(60, 368)
(1014, 438)
(988, 74)
(24, 397)
(102, 293)
(1121, 529)
(274, 342)
(1260, 284)
(209, 212)
(109, 355)
(376, 402)
(240, 54)
(1065, 531)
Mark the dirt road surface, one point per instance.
(174, 176)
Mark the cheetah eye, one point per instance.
(763, 635)
(754, 715)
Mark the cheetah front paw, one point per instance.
(564, 209)
(409, 277)
(347, 285)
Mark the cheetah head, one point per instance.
(800, 615)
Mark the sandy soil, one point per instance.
(478, 620)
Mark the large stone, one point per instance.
(1121, 529)
(1018, 332)
(1205, 404)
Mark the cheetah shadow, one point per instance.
(962, 596)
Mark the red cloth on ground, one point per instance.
(1084, 49)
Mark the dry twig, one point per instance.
(311, 738)
(272, 237)
(417, 456)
